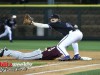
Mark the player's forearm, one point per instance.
(40, 25)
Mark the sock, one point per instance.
(76, 48)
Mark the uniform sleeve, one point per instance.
(2, 28)
(40, 25)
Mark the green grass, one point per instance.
(89, 45)
(27, 44)
(91, 72)
(34, 63)
(35, 44)
(38, 63)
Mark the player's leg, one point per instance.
(71, 38)
(9, 33)
(23, 56)
(61, 46)
(76, 51)
(4, 34)
(37, 54)
(75, 48)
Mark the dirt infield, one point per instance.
(55, 67)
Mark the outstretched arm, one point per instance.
(28, 20)
(40, 25)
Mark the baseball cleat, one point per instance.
(2, 51)
(77, 57)
(11, 41)
(66, 58)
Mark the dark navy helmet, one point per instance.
(54, 16)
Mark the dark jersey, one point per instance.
(10, 22)
(51, 53)
(62, 27)
(2, 28)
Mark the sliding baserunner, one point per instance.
(49, 53)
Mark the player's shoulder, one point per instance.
(69, 24)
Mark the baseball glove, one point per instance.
(27, 20)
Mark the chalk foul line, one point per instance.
(78, 67)
(51, 65)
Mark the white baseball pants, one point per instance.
(37, 54)
(72, 38)
(7, 32)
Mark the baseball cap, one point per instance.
(54, 16)
(14, 16)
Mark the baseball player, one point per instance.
(8, 26)
(49, 53)
(71, 35)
